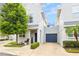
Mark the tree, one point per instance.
(14, 19)
(3, 24)
(74, 30)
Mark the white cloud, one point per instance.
(54, 10)
(58, 6)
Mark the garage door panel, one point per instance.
(51, 37)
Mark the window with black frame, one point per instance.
(21, 35)
(30, 19)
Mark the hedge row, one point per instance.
(70, 44)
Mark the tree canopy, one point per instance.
(74, 30)
(13, 19)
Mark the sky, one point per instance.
(50, 10)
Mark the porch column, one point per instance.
(29, 36)
(38, 35)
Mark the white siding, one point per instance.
(51, 30)
(69, 16)
(66, 12)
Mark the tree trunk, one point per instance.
(75, 35)
(17, 38)
(8, 37)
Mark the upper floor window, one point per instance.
(30, 19)
(75, 9)
(42, 13)
(75, 12)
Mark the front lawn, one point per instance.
(72, 50)
(13, 44)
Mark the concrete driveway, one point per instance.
(50, 49)
(47, 49)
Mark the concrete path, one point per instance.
(47, 49)
(2, 42)
(6, 54)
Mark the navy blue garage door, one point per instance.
(51, 37)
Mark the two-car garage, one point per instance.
(51, 34)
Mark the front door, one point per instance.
(35, 37)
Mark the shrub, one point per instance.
(76, 44)
(70, 44)
(34, 45)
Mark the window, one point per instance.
(30, 19)
(22, 35)
(78, 34)
(75, 9)
(70, 35)
(43, 15)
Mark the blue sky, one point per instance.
(50, 10)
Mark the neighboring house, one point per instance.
(68, 15)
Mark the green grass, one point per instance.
(13, 44)
(72, 50)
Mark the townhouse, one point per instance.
(68, 15)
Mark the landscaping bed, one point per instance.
(71, 46)
(3, 39)
(13, 44)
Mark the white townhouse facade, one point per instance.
(36, 24)
(68, 15)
